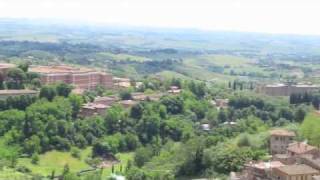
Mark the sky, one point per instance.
(271, 16)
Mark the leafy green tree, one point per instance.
(148, 128)
(101, 148)
(15, 78)
(63, 89)
(116, 119)
(11, 119)
(136, 111)
(76, 102)
(48, 92)
(32, 145)
(125, 95)
(174, 104)
(300, 114)
(136, 174)
(143, 155)
(24, 66)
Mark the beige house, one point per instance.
(295, 172)
(280, 140)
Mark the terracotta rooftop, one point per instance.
(300, 147)
(297, 169)
(282, 132)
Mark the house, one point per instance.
(279, 140)
(299, 148)
(138, 96)
(294, 153)
(261, 170)
(231, 123)
(205, 127)
(221, 103)
(295, 172)
(91, 109)
(121, 83)
(174, 90)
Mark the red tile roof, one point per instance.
(300, 148)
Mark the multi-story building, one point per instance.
(286, 89)
(81, 78)
(280, 140)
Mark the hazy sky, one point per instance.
(274, 16)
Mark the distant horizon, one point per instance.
(57, 21)
(272, 16)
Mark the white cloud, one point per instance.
(275, 16)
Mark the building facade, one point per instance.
(280, 140)
(286, 90)
(81, 78)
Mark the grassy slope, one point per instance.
(8, 174)
(55, 160)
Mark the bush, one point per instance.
(35, 158)
(75, 152)
(23, 169)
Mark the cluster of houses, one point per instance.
(101, 104)
(291, 160)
